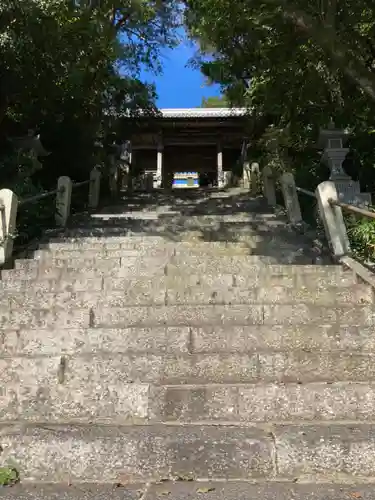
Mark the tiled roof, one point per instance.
(188, 113)
(202, 112)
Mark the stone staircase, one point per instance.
(189, 349)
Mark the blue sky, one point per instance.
(179, 86)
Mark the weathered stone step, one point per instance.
(122, 267)
(129, 267)
(134, 454)
(181, 230)
(147, 243)
(198, 263)
(234, 314)
(163, 250)
(189, 315)
(113, 370)
(233, 265)
(184, 490)
(162, 294)
(127, 248)
(38, 395)
(264, 403)
(56, 280)
(196, 340)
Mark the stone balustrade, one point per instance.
(10, 204)
(330, 207)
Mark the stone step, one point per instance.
(162, 294)
(187, 315)
(114, 268)
(181, 489)
(147, 243)
(188, 216)
(38, 393)
(127, 247)
(123, 454)
(178, 229)
(211, 339)
(175, 315)
(200, 262)
(235, 265)
(165, 250)
(55, 281)
(112, 370)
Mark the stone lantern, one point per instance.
(332, 141)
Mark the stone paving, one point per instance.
(186, 347)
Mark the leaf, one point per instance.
(205, 489)
(8, 476)
(355, 494)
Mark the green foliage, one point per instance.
(361, 232)
(296, 64)
(66, 69)
(8, 476)
(215, 102)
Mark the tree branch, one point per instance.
(353, 67)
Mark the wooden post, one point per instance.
(8, 217)
(94, 191)
(291, 200)
(269, 186)
(63, 199)
(332, 219)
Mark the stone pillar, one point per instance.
(8, 216)
(94, 191)
(220, 174)
(113, 176)
(254, 178)
(269, 186)
(332, 218)
(159, 166)
(246, 175)
(291, 200)
(63, 199)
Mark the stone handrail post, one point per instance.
(332, 218)
(94, 190)
(246, 175)
(290, 195)
(113, 177)
(254, 178)
(63, 199)
(269, 186)
(9, 205)
(8, 216)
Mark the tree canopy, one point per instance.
(215, 102)
(65, 64)
(299, 63)
(67, 67)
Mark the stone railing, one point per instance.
(330, 210)
(10, 205)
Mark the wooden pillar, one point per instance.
(220, 173)
(159, 165)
